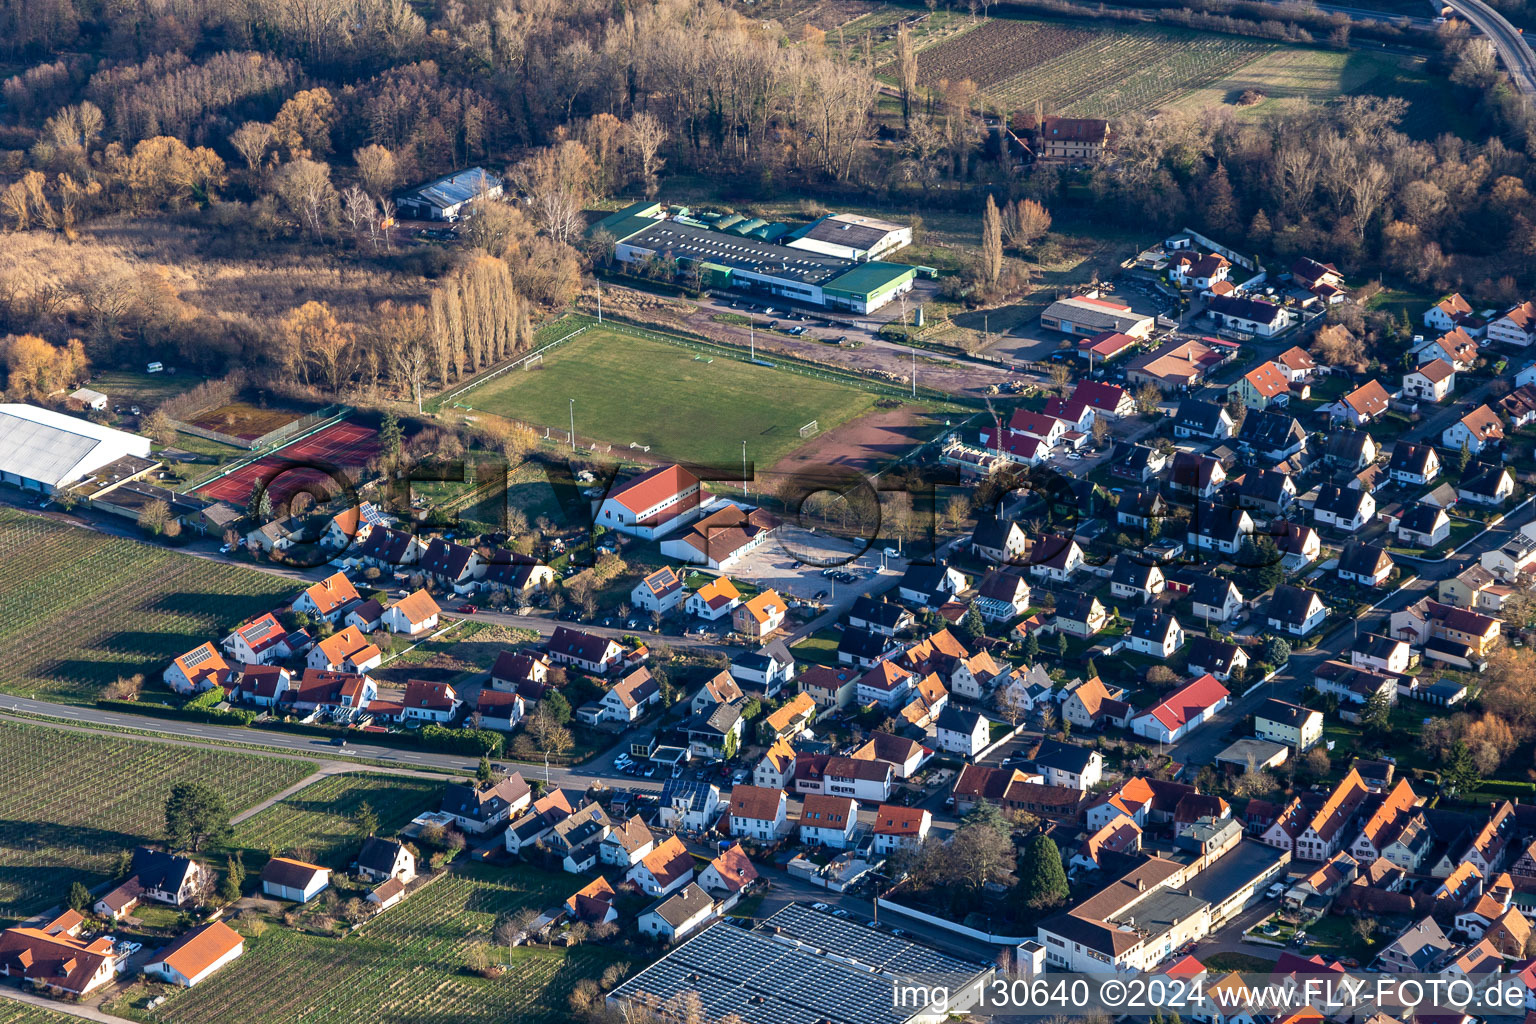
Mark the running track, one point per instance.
(308, 464)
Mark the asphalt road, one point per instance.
(1514, 51)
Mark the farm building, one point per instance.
(294, 880)
(1062, 139)
(196, 954)
(728, 252)
(448, 197)
(43, 450)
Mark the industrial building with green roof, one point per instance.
(731, 251)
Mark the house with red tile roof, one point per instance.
(327, 599)
(261, 641)
(54, 957)
(900, 828)
(1182, 711)
(714, 600)
(196, 955)
(593, 903)
(1106, 346)
(412, 615)
(828, 821)
(429, 702)
(730, 873)
(346, 650)
(334, 692)
(1476, 430)
(1363, 405)
(202, 668)
(652, 504)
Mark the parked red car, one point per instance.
(468, 609)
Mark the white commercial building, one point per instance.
(43, 450)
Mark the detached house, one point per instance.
(962, 732)
(345, 651)
(429, 702)
(762, 615)
(664, 870)
(598, 655)
(1456, 347)
(1079, 615)
(1413, 464)
(261, 641)
(1475, 431)
(451, 565)
(1424, 526)
(1430, 382)
(154, 875)
(1264, 386)
(1490, 485)
(577, 838)
(1343, 508)
(1156, 633)
(1206, 420)
(54, 958)
(1213, 657)
(1363, 405)
(900, 828)
(1220, 528)
(1002, 595)
(1272, 434)
(758, 812)
(1055, 557)
(930, 585)
(714, 600)
(1294, 611)
(675, 917)
(660, 591)
(1291, 724)
(1215, 599)
(1516, 326)
(630, 696)
(1255, 316)
(412, 615)
(828, 821)
(479, 809)
(200, 669)
(1198, 476)
(1365, 564)
(1448, 314)
(1136, 578)
(879, 616)
(327, 599)
(998, 540)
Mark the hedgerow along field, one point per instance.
(78, 609)
(71, 801)
(407, 963)
(319, 822)
(1082, 71)
(685, 403)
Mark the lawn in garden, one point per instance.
(78, 609)
(70, 802)
(684, 403)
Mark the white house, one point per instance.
(900, 828)
(660, 591)
(1344, 508)
(327, 599)
(1182, 711)
(429, 702)
(412, 615)
(1474, 431)
(630, 697)
(828, 821)
(196, 954)
(1156, 633)
(653, 504)
(1515, 327)
(677, 916)
(294, 880)
(961, 731)
(1295, 611)
(200, 669)
(759, 812)
(1069, 764)
(714, 600)
(1431, 382)
(1255, 316)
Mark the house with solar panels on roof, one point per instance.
(449, 197)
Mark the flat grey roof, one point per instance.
(1156, 914)
(739, 253)
(1235, 869)
(1260, 750)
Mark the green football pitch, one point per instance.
(687, 404)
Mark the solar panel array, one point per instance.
(258, 630)
(370, 514)
(748, 974)
(789, 978)
(197, 657)
(761, 257)
(879, 950)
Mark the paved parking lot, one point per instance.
(793, 562)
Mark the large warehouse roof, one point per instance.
(688, 241)
(54, 449)
(799, 967)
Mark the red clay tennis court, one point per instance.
(343, 449)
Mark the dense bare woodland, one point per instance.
(211, 181)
